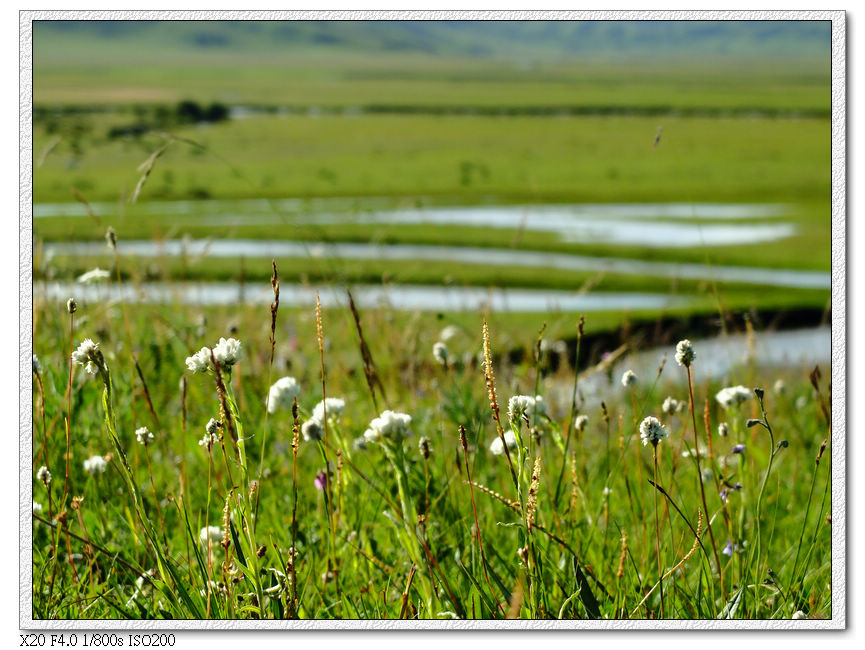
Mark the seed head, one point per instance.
(424, 447)
(44, 475)
(440, 353)
(685, 354)
(581, 422)
(71, 306)
(629, 378)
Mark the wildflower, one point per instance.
(606, 492)
(94, 275)
(111, 238)
(320, 481)
(780, 387)
(144, 435)
(71, 306)
(440, 352)
(282, 394)
(497, 448)
(388, 425)
(89, 356)
(334, 405)
(44, 475)
(312, 429)
(449, 332)
(629, 378)
(211, 534)
(37, 508)
(730, 548)
(801, 402)
(581, 422)
(738, 449)
(95, 465)
(723, 429)
(423, 447)
(526, 406)
(211, 434)
(685, 354)
(359, 444)
(799, 615)
(670, 406)
(652, 431)
(200, 361)
(732, 396)
(227, 352)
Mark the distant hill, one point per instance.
(542, 40)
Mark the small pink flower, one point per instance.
(320, 481)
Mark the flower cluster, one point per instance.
(652, 431)
(44, 475)
(732, 396)
(312, 430)
(227, 352)
(670, 406)
(95, 465)
(332, 405)
(629, 378)
(281, 395)
(144, 436)
(526, 406)
(685, 354)
(389, 425)
(89, 356)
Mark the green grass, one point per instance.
(373, 554)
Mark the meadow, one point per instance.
(375, 462)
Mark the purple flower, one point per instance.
(738, 449)
(730, 548)
(723, 495)
(320, 481)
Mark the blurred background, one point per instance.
(660, 177)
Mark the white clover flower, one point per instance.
(94, 275)
(312, 429)
(723, 429)
(497, 448)
(732, 396)
(227, 352)
(200, 361)
(144, 436)
(37, 508)
(780, 387)
(210, 534)
(389, 424)
(685, 354)
(532, 408)
(440, 352)
(581, 422)
(282, 394)
(44, 475)
(652, 431)
(670, 406)
(95, 465)
(335, 406)
(629, 378)
(88, 355)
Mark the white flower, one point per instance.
(312, 429)
(95, 465)
(94, 275)
(87, 355)
(200, 361)
(211, 434)
(423, 447)
(685, 354)
(723, 429)
(799, 615)
(780, 387)
(532, 408)
(670, 406)
(282, 394)
(449, 332)
(629, 378)
(652, 431)
(227, 352)
(389, 424)
(210, 533)
(334, 405)
(37, 508)
(44, 475)
(359, 444)
(440, 352)
(581, 422)
(496, 446)
(732, 396)
(37, 367)
(144, 435)
(606, 492)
